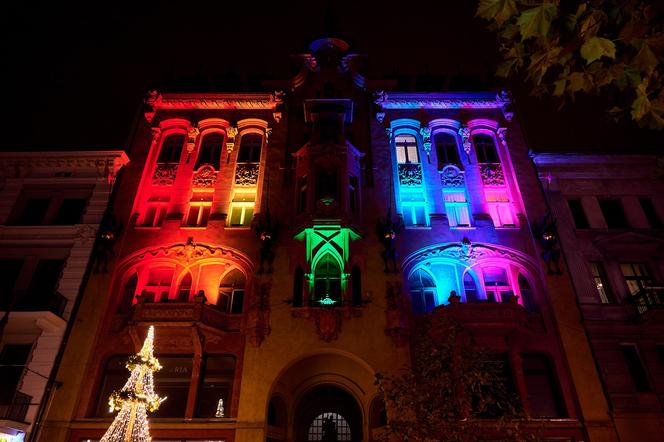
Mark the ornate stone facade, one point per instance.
(410, 174)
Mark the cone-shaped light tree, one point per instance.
(136, 398)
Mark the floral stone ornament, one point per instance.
(136, 398)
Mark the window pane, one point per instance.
(210, 151)
(9, 272)
(115, 376)
(614, 215)
(401, 154)
(419, 216)
(636, 369)
(412, 154)
(599, 277)
(70, 211)
(650, 212)
(12, 361)
(34, 211)
(578, 214)
(216, 386)
(329, 426)
(171, 149)
(173, 381)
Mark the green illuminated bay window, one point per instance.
(327, 281)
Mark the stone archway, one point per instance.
(328, 413)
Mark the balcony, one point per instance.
(649, 298)
(181, 312)
(27, 301)
(487, 315)
(16, 408)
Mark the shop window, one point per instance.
(159, 285)
(210, 150)
(214, 394)
(614, 214)
(485, 148)
(356, 286)
(172, 381)
(242, 209)
(298, 287)
(496, 284)
(635, 367)
(250, 149)
(231, 292)
(422, 291)
(327, 281)
(636, 277)
(447, 150)
(128, 294)
(406, 149)
(184, 291)
(601, 282)
(650, 213)
(578, 214)
(457, 208)
(171, 149)
(114, 377)
(541, 384)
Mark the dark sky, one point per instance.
(75, 74)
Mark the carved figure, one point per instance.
(266, 231)
(109, 229)
(387, 231)
(544, 230)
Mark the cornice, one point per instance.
(449, 100)
(24, 164)
(216, 101)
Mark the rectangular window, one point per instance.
(199, 210)
(635, 367)
(159, 285)
(601, 282)
(414, 215)
(613, 212)
(457, 208)
(34, 212)
(70, 211)
(41, 295)
(214, 394)
(173, 381)
(636, 277)
(115, 376)
(500, 208)
(406, 149)
(9, 271)
(543, 394)
(650, 212)
(155, 212)
(242, 210)
(578, 214)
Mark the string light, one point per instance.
(136, 398)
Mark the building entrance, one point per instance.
(328, 414)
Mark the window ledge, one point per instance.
(193, 227)
(418, 227)
(147, 227)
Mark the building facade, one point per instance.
(51, 206)
(610, 210)
(284, 245)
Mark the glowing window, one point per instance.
(414, 214)
(636, 277)
(446, 149)
(155, 212)
(214, 393)
(171, 149)
(242, 210)
(158, 285)
(199, 210)
(185, 288)
(457, 208)
(485, 149)
(329, 426)
(422, 291)
(500, 208)
(210, 150)
(327, 280)
(470, 288)
(406, 148)
(601, 282)
(231, 292)
(496, 284)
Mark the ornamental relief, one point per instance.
(191, 251)
(467, 253)
(452, 176)
(492, 174)
(164, 174)
(204, 177)
(246, 174)
(410, 174)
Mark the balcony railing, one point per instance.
(649, 298)
(17, 408)
(410, 174)
(27, 301)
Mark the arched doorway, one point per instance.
(327, 413)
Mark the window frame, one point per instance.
(405, 148)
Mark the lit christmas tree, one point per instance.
(136, 398)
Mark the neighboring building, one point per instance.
(51, 205)
(251, 245)
(610, 212)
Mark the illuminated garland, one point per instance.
(136, 398)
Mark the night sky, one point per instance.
(75, 74)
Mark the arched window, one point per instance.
(485, 149)
(446, 149)
(356, 286)
(470, 288)
(496, 284)
(250, 148)
(422, 291)
(128, 294)
(185, 288)
(231, 292)
(329, 426)
(526, 294)
(406, 148)
(298, 281)
(159, 285)
(171, 149)
(327, 281)
(210, 150)
(327, 188)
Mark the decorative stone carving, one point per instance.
(156, 134)
(504, 101)
(150, 101)
(278, 96)
(380, 116)
(192, 134)
(443, 101)
(410, 174)
(328, 320)
(277, 117)
(164, 174)
(388, 131)
(216, 101)
(246, 174)
(380, 97)
(492, 174)
(465, 137)
(268, 132)
(466, 252)
(426, 138)
(204, 177)
(231, 133)
(452, 176)
(502, 135)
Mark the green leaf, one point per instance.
(536, 22)
(640, 107)
(598, 47)
(645, 60)
(498, 10)
(559, 87)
